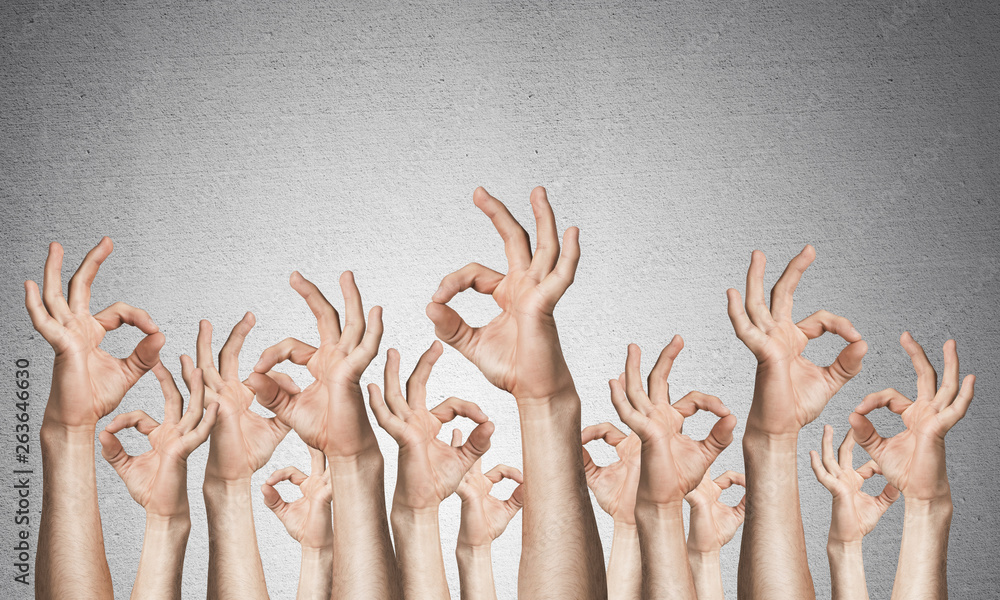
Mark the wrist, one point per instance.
(53, 432)
(560, 397)
(837, 548)
(320, 552)
(758, 436)
(219, 488)
(701, 557)
(179, 523)
(625, 526)
(472, 551)
(403, 514)
(659, 512)
(937, 507)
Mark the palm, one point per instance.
(425, 459)
(675, 463)
(516, 346)
(485, 517)
(855, 513)
(784, 373)
(912, 459)
(308, 518)
(615, 485)
(713, 523)
(81, 364)
(154, 477)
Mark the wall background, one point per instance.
(224, 144)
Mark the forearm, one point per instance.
(707, 573)
(363, 558)
(418, 552)
(70, 562)
(665, 569)
(625, 564)
(847, 570)
(475, 572)
(316, 574)
(162, 559)
(561, 548)
(773, 558)
(234, 565)
(923, 553)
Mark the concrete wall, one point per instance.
(222, 145)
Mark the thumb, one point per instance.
(113, 452)
(270, 395)
(478, 442)
(866, 436)
(144, 357)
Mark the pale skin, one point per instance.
(671, 466)
(329, 414)
(157, 479)
(713, 525)
(789, 392)
(913, 461)
(855, 513)
(518, 351)
(429, 470)
(614, 486)
(309, 520)
(87, 384)
(484, 519)
(241, 443)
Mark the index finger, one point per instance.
(602, 431)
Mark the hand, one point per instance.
(615, 485)
(330, 413)
(855, 513)
(791, 391)
(672, 464)
(429, 469)
(913, 461)
(518, 351)
(308, 520)
(713, 522)
(243, 441)
(485, 517)
(87, 382)
(157, 479)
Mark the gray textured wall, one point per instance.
(222, 145)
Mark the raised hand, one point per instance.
(855, 512)
(329, 414)
(518, 351)
(914, 460)
(713, 522)
(87, 382)
(713, 525)
(157, 478)
(430, 469)
(671, 466)
(791, 391)
(672, 463)
(484, 516)
(614, 486)
(308, 519)
(243, 441)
